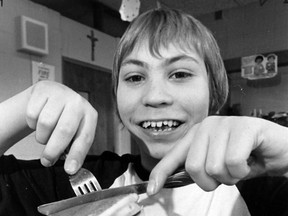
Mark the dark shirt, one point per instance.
(24, 185)
(265, 196)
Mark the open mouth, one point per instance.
(166, 125)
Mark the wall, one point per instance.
(76, 45)
(66, 39)
(15, 70)
(271, 98)
(251, 29)
(248, 30)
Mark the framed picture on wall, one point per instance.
(258, 66)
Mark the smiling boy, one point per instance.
(169, 82)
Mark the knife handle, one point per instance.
(178, 179)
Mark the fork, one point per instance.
(84, 182)
(178, 179)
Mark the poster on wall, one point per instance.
(41, 71)
(259, 66)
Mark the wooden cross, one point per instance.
(93, 40)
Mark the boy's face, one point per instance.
(160, 98)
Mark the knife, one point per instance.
(178, 179)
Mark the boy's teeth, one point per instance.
(159, 124)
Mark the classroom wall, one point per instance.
(15, 70)
(249, 30)
(67, 38)
(272, 98)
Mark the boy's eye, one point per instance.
(180, 75)
(134, 78)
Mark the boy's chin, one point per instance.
(159, 152)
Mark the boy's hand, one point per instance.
(61, 117)
(226, 150)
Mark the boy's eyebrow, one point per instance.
(178, 58)
(167, 61)
(135, 62)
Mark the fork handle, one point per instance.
(178, 179)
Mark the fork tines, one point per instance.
(84, 182)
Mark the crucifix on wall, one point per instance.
(93, 40)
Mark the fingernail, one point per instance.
(45, 162)
(71, 167)
(151, 188)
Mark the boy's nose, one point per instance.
(156, 94)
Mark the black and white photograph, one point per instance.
(143, 107)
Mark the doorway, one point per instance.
(95, 85)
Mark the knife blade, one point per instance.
(180, 178)
(54, 207)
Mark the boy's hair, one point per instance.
(160, 27)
